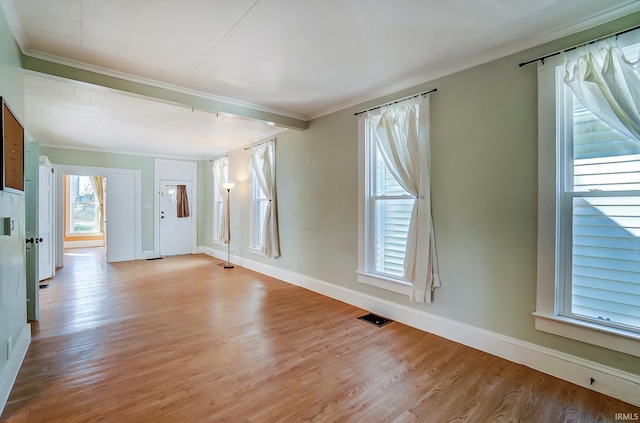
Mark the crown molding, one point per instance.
(518, 46)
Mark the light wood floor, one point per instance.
(184, 340)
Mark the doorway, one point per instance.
(175, 235)
(84, 211)
(122, 211)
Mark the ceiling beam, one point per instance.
(163, 94)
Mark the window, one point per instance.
(387, 217)
(394, 187)
(589, 241)
(82, 207)
(264, 238)
(259, 203)
(220, 169)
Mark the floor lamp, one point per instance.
(228, 186)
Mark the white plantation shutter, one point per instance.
(603, 204)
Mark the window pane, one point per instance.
(385, 184)
(261, 214)
(84, 217)
(84, 208)
(604, 159)
(606, 259)
(83, 191)
(218, 222)
(391, 225)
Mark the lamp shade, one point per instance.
(228, 185)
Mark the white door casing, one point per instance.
(32, 180)
(123, 210)
(175, 232)
(46, 241)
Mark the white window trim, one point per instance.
(379, 281)
(547, 317)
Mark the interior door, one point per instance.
(31, 176)
(46, 240)
(121, 217)
(175, 232)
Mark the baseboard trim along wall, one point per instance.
(607, 380)
(84, 243)
(10, 373)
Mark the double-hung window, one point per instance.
(589, 220)
(82, 207)
(259, 203)
(264, 238)
(220, 169)
(396, 243)
(388, 214)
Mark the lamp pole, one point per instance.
(228, 186)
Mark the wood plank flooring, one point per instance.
(183, 340)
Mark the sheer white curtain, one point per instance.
(220, 172)
(99, 191)
(262, 165)
(607, 84)
(402, 135)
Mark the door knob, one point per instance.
(38, 240)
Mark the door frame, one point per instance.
(54, 218)
(175, 170)
(62, 170)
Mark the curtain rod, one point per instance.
(578, 46)
(219, 157)
(259, 143)
(397, 101)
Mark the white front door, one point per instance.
(45, 240)
(175, 232)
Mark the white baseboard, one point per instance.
(607, 380)
(10, 372)
(84, 243)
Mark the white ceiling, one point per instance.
(70, 114)
(299, 58)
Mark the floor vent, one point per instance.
(44, 285)
(375, 320)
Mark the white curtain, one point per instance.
(220, 172)
(607, 84)
(262, 165)
(99, 191)
(402, 135)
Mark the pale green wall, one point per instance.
(484, 192)
(65, 156)
(13, 309)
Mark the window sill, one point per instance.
(591, 333)
(256, 251)
(389, 284)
